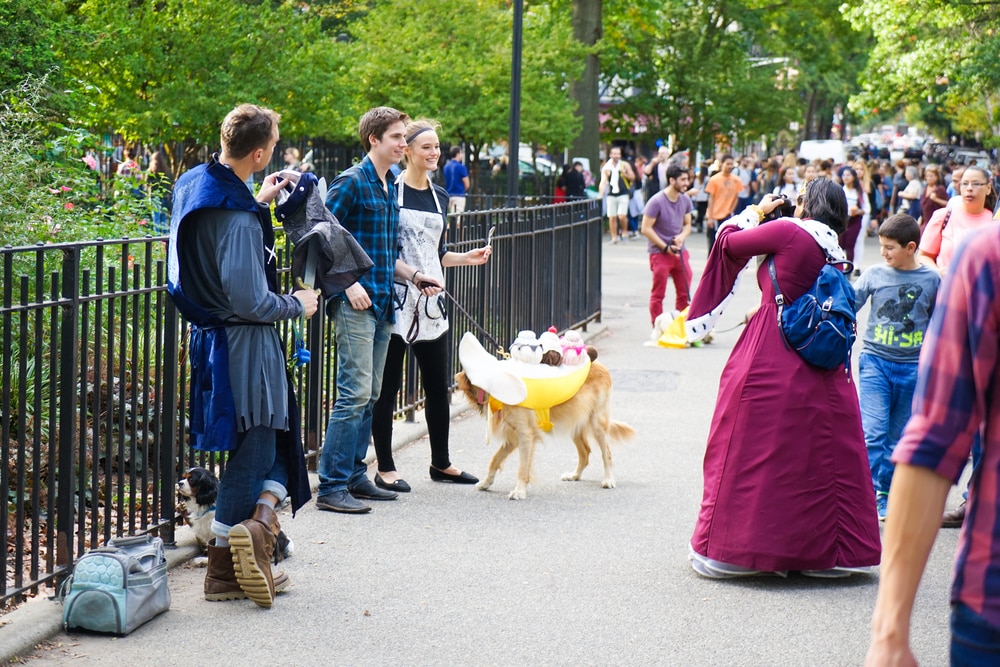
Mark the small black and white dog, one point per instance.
(199, 488)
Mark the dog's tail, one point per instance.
(620, 431)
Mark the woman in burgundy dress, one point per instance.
(787, 485)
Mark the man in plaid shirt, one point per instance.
(363, 198)
(957, 396)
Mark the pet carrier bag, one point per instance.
(117, 587)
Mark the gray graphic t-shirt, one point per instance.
(902, 303)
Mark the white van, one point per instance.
(823, 149)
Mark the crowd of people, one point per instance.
(878, 188)
(775, 498)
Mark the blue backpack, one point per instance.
(821, 324)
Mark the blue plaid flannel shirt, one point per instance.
(363, 206)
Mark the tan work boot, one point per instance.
(252, 544)
(220, 578)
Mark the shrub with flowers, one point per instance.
(50, 190)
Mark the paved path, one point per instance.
(573, 575)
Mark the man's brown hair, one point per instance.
(247, 128)
(376, 121)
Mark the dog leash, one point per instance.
(499, 348)
(732, 328)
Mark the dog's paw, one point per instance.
(199, 561)
(570, 477)
(609, 483)
(484, 485)
(518, 494)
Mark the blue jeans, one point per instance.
(974, 642)
(255, 466)
(886, 402)
(361, 343)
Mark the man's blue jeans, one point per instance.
(974, 642)
(886, 402)
(255, 466)
(361, 343)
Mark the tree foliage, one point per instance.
(169, 70)
(412, 57)
(936, 52)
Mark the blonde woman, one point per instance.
(421, 316)
(868, 191)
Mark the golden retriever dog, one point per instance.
(585, 418)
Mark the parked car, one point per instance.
(968, 156)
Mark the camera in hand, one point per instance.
(786, 209)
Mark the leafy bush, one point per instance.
(48, 193)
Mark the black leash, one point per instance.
(498, 346)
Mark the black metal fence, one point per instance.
(94, 377)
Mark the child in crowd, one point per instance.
(902, 293)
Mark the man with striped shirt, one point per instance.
(957, 396)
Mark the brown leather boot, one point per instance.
(220, 578)
(252, 544)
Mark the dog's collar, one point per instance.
(210, 508)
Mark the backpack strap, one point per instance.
(779, 298)
(944, 223)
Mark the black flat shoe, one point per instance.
(461, 478)
(399, 485)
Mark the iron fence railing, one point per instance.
(94, 379)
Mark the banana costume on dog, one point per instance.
(512, 382)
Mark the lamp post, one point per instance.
(514, 139)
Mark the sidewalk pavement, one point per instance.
(574, 574)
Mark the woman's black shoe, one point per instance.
(399, 485)
(461, 478)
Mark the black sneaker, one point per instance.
(368, 491)
(342, 501)
(954, 518)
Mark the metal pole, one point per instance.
(68, 346)
(514, 141)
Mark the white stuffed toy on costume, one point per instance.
(527, 348)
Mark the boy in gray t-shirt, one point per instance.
(902, 293)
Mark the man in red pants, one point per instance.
(666, 222)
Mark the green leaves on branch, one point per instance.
(933, 52)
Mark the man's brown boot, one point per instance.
(252, 544)
(220, 579)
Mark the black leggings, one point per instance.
(433, 359)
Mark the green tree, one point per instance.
(458, 72)
(933, 52)
(587, 31)
(685, 70)
(169, 70)
(824, 55)
(28, 30)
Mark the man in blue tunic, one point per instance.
(223, 279)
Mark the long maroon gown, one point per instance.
(787, 482)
